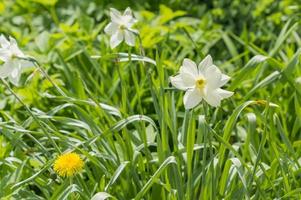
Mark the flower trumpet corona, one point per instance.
(120, 27)
(13, 60)
(201, 82)
(68, 164)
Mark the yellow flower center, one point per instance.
(122, 27)
(200, 83)
(68, 164)
(13, 56)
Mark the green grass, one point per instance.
(120, 113)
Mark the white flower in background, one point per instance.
(12, 58)
(201, 82)
(120, 28)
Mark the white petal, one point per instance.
(129, 38)
(116, 39)
(14, 48)
(224, 93)
(192, 98)
(177, 82)
(213, 76)
(111, 28)
(15, 80)
(115, 16)
(12, 41)
(189, 67)
(188, 80)
(133, 30)
(213, 98)
(16, 71)
(4, 42)
(224, 80)
(15, 74)
(128, 18)
(16, 51)
(128, 12)
(183, 81)
(206, 62)
(6, 69)
(129, 22)
(5, 55)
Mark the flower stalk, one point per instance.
(32, 115)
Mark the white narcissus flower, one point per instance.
(120, 27)
(12, 58)
(201, 82)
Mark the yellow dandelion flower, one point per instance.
(68, 164)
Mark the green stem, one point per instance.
(142, 52)
(213, 189)
(203, 192)
(189, 150)
(124, 110)
(33, 116)
(36, 63)
(123, 90)
(54, 15)
(185, 127)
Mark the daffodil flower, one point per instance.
(13, 60)
(201, 82)
(120, 27)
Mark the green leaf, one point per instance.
(116, 174)
(102, 196)
(155, 176)
(246, 71)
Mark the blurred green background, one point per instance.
(257, 20)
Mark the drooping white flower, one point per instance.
(120, 27)
(201, 82)
(12, 58)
